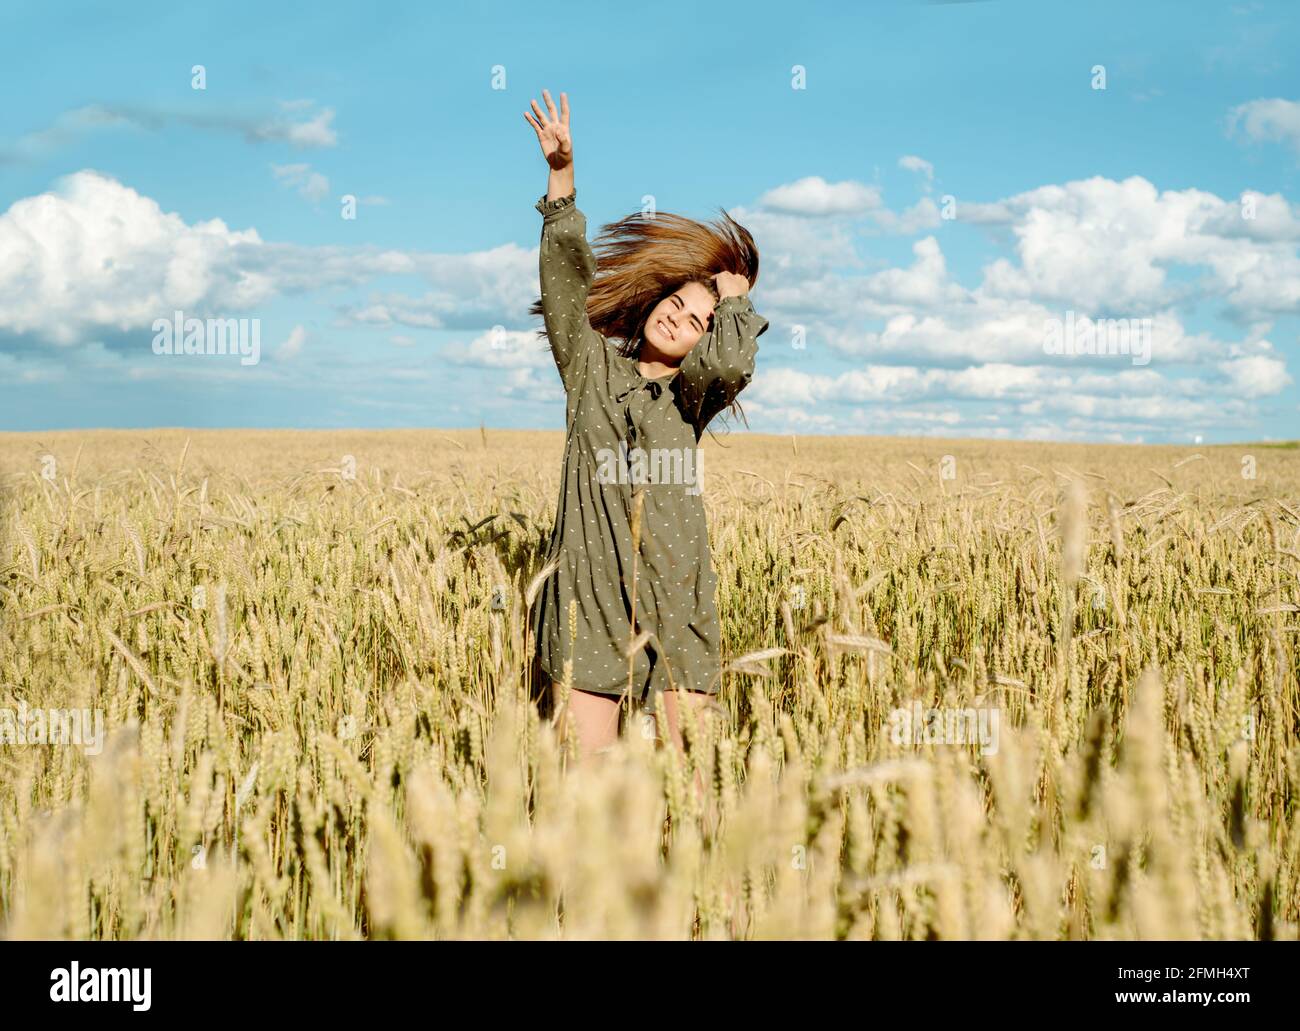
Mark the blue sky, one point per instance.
(947, 180)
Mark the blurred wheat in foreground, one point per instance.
(308, 650)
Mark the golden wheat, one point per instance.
(310, 655)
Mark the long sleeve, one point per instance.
(722, 363)
(567, 267)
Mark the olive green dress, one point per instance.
(627, 433)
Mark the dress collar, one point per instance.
(640, 381)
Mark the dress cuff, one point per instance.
(548, 208)
(741, 301)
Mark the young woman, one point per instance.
(630, 537)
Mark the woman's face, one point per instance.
(679, 320)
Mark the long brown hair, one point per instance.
(641, 259)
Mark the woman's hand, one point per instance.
(553, 131)
(729, 284)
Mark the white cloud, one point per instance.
(915, 164)
(1063, 403)
(796, 249)
(311, 185)
(1274, 120)
(1107, 247)
(1099, 244)
(292, 347)
(94, 254)
(814, 196)
(925, 282)
(1256, 376)
(502, 349)
(315, 132)
(933, 354)
(69, 126)
(924, 214)
(1257, 216)
(467, 290)
(528, 384)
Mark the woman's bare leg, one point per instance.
(593, 718)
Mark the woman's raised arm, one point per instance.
(566, 263)
(721, 365)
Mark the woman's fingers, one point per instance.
(551, 126)
(550, 115)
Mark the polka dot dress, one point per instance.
(625, 434)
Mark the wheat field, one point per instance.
(308, 650)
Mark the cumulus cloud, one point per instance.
(1100, 244)
(1100, 247)
(502, 349)
(1267, 217)
(1106, 248)
(1133, 396)
(932, 353)
(94, 254)
(1255, 376)
(814, 196)
(1267, 121)
(529, 384)
(1090, 249)
(467, 291)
